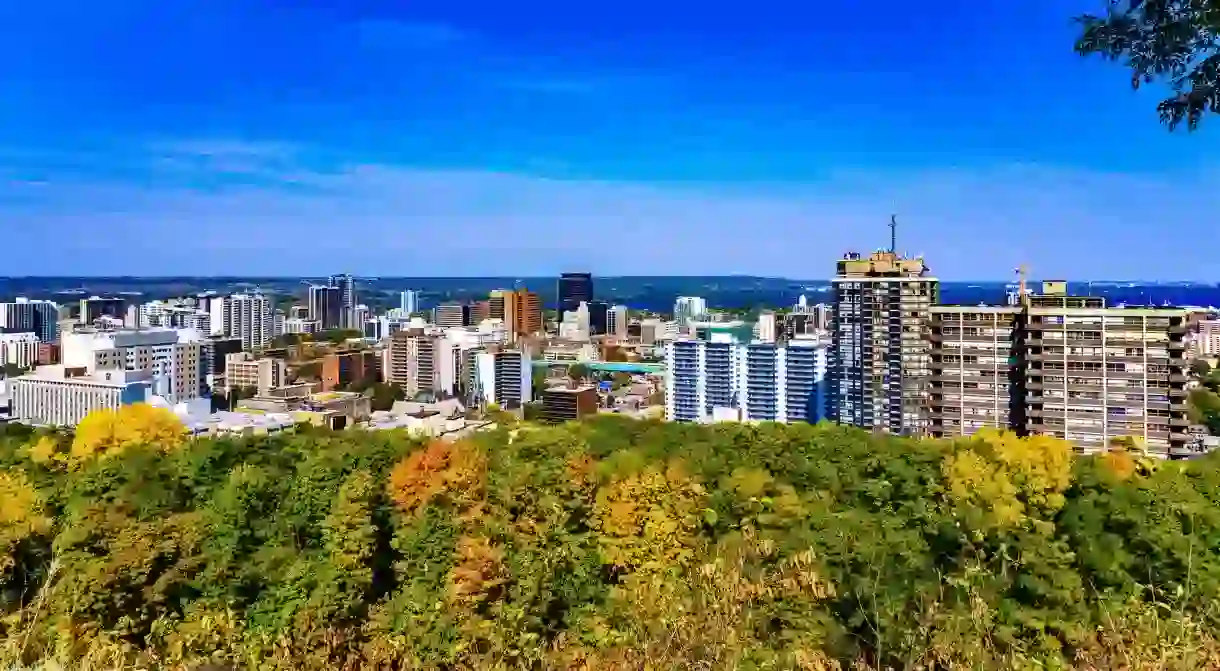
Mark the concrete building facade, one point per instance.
(880, 357)
(174, 357)
(19, 349)
(63, 396)
(246, 316)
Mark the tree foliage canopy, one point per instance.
(612, 543)
(1172, 42)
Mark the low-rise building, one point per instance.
(563, 404)
(243, 370)
(344, 368)
(62, 395)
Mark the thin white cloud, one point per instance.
(385, 219)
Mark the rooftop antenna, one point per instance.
(1022, 294)
(893, 234)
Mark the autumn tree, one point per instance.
(106, 432)
(1170, 42)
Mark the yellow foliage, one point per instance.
(455, 468)
(648, 521)
(45, 451)
(1006, 475)
(106, 432)
(21, 513)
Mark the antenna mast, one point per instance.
(893, 234)
(1022, 292)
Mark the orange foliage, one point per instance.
(479, 573)
(106, 432)
(453, 468)
(1120, 463)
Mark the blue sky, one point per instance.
(458, 138)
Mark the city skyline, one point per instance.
(653, 141)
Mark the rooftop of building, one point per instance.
(105, 377)
(238, 421)
(881, 264)
(570, 390)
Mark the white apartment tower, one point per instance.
(18, 349)
(616, 321)
(689, 308)
(722, 379)
(246, 316)
(1209, 338)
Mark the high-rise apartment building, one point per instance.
(415, 362)
(26, 316)
(1209, 338)
(96, 307)
(246, 316)
(728, 379)
(503, 377)
(260, 374)
(1095, 374)
(689, 308)
(480, 311)
(18, 349)
(1065, 366)
(326, 306)
(346, 284)
(300, 326)
(880, 355)
(175, 357)
(452, 315)
(572, 290)
(408, 302)
(767, 327)
(617, 321)
(165, 314)
(520, 309)
(976, 379)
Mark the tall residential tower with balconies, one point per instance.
(879, 353)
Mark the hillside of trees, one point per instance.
(612, 544)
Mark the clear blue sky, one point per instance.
(456, 138)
